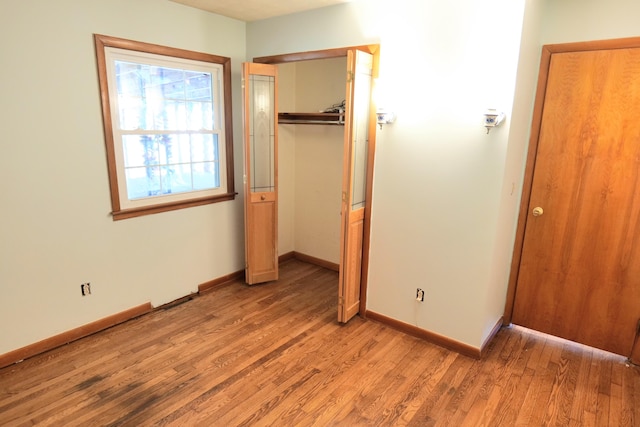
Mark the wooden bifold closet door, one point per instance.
(260, 115)
(358, 133)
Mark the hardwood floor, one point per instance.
(274, 355)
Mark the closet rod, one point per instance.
(310, 122)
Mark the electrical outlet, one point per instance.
(419, 295)
(85, 289)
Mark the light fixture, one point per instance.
(492, 118)
(381, 96)
(385, 117)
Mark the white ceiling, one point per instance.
(254, 10)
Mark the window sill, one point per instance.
(149, 210)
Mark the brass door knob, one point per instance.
(537, 211)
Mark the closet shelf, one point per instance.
(311, 118)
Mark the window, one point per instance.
(168, 128)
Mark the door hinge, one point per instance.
(349, 76)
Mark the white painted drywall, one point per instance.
(319, 153)
(439, 178)
(56, 231)
(286, 160)
(519, 131)
(569, 21)
(310, 160)
(444, 210)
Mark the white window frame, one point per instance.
(110, 49)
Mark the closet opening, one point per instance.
(325, 150)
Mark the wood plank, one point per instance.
(72, 335)
(274, 354)
(580, 403)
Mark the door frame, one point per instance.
(373, 49)
(536, 123)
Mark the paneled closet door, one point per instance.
(354, 180)
(260, 115)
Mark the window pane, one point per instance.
(170, 163)
(199, 115)
(176, 178)
(261, 132)
(155, 98)
(129, 79)
(143, 182)
(132, 112)
(361, 103)
(198, 86)
(205, 175)
(169, 149)
(169, 82)
(140, 150)
(168, 115)
(204, 147)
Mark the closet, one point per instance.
(310, 157)
(308, 192)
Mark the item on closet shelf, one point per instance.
(335, 108)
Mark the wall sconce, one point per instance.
(492, 118)
(385, 117)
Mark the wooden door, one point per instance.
(579, 272)
(260, 172)
(358, 134)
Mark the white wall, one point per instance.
(310, 160)
(319, 152)
(585, 20)
(519, 131)
(439, 178)
(286, 161)
(445, 194)
(56, 231)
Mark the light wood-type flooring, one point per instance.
(274, 354)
